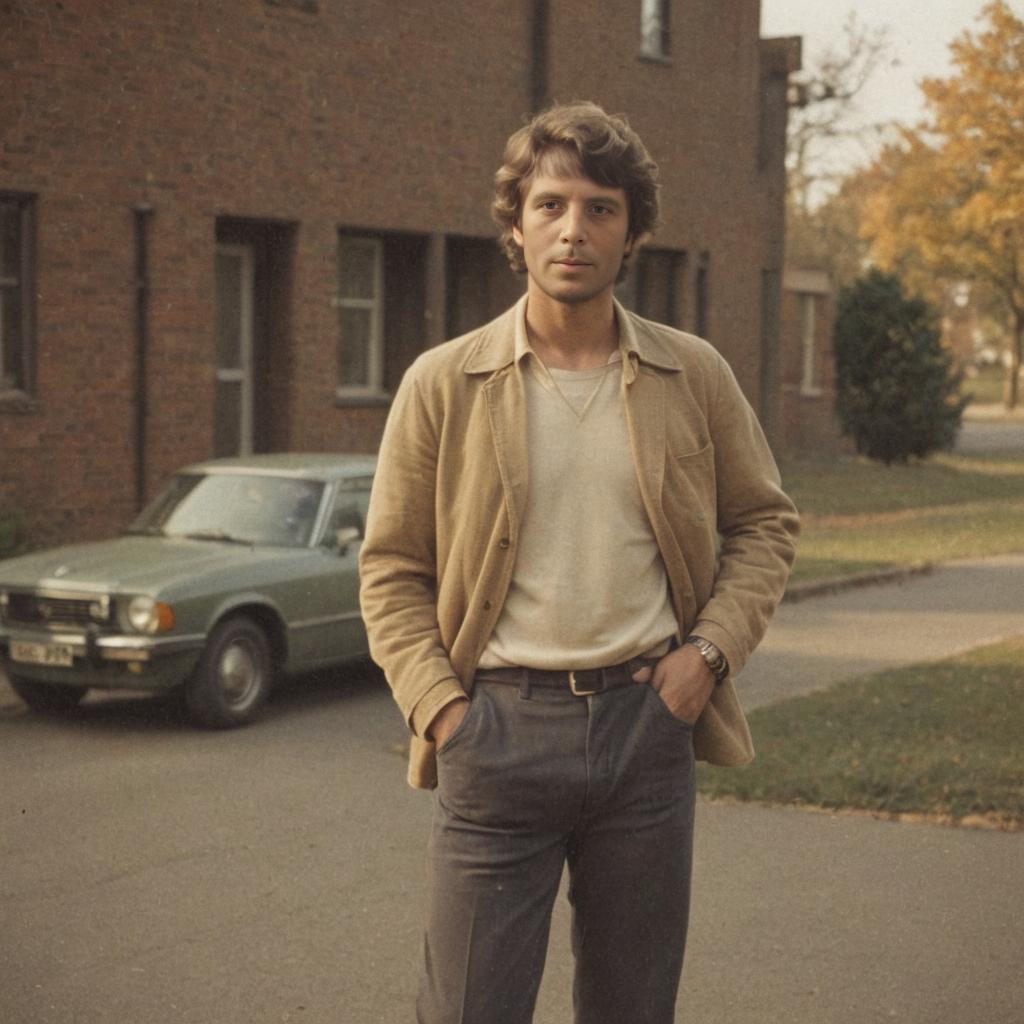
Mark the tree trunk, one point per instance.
(1012, 390)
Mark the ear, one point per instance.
(517, 234)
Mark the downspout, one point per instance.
(142, 215)
(539, 32)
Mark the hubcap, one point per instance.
(239, 673)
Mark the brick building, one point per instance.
(807, 422)
(230, 227)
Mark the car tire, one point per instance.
(50, 698)
(233, 677)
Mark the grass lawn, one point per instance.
(941, 740)
(860, 515)
(987, 386)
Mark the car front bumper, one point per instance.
(113, 661)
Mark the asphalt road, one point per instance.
(152, 873)
(988, 430)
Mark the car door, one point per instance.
(330, 628)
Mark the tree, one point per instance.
(896, 388)
(952, 199)
(825, 132)
(825, 118)
(829, 236)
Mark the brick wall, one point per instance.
(304, 118)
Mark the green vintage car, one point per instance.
(239, 570)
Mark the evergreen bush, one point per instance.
(897, 387)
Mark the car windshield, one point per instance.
(234, 507)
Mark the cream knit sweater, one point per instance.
(589, 587)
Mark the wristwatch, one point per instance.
(712, 655)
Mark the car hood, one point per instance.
(132, 564)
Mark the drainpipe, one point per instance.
(539, 43)
(142, 216)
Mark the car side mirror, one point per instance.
(345, 537)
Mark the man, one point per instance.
(576, 537)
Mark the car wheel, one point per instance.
(232, 679)
(47, 697)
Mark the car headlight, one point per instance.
(148, 616)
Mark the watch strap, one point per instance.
(716, 660)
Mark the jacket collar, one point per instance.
(502, 342)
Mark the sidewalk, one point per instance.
(818, 641)
(802, 917)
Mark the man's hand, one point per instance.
(446, 721)
(683, 681)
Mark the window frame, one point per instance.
(374, 387)
(24, 384)
(810, 384)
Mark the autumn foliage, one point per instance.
(951, 198)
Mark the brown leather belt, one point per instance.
(582, 682)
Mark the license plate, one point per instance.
(41, 654)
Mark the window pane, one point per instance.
(356, 262)
(10, 242)
(10, 338)
(355, 336)
(227, 419)
(654, 27)
(229, 311)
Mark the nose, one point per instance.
(573, 226)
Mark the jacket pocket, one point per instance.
(690, 486)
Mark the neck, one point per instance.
(571, 336)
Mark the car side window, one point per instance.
(348, 509)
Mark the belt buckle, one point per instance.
(577, 692)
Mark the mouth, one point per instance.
(572, 263)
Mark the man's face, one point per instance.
(574, 233)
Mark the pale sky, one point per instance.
(919, 35)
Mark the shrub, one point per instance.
(897, 390)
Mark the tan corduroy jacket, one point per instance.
(450, 491)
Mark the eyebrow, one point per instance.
(543, 197)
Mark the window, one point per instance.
(306, 6)
(653, 286)
(702, 286)
(360, 303)
(809, 383)
(16, 292)
(349, 507)
(655, 17)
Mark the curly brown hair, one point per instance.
(581, 137)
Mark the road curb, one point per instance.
(819, 588)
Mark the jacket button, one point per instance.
(503, 543)
(487, 606)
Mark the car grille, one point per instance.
(49, 612)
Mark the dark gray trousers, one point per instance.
(530, 781)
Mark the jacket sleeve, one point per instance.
(757, 523)
(398, 563)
